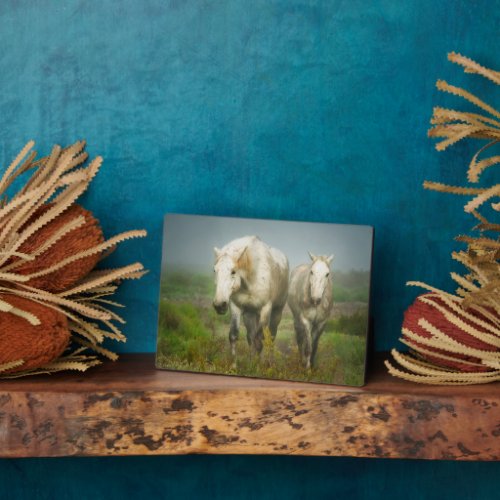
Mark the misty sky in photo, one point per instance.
(188, 241)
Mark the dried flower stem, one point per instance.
(479, 288)
(60, 179)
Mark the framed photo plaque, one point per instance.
(261, 298)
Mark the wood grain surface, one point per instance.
(130, 408)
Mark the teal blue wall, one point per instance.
(245, 478)
(305, 110)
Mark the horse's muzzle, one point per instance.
(220, 307)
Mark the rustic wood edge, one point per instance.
(282, 420)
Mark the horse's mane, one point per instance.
(323, 258)
(238, 243)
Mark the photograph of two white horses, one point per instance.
(260, 298)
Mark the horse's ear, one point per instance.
(329, 259)
(217, 252)
(242, 258)
(241, 253)
(313, 257)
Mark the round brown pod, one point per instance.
(77, 240)
(36, 345)
(430, 312)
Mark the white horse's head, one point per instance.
(229, 270)
(319, 277)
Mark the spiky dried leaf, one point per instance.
(59, 179)
(475, 309)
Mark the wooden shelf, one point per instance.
(130, 408)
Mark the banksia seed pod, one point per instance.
(457, 332)
(35, 345)
(455, 338)
(48, 250)
(84, 237)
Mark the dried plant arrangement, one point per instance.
(55, 308)
(455, 338)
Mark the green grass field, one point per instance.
(193, 337)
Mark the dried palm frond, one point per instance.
(473, 314)
(37, 224)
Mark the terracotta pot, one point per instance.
(36, 345)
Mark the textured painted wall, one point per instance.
(306, 110)
(286, 109)
(245, 478)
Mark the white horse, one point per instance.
(252, 279)
(310, 298)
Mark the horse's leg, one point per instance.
(264, 321)
(276, 314)
(251, 322)
(234, 330)
(318, 331)
(299, 333)
(306, 344)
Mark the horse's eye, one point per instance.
(327, 274)
(233, 272)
